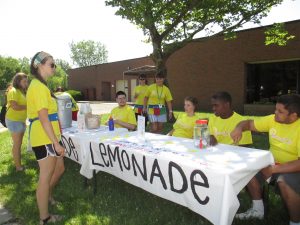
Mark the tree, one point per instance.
(59, 79)
(8, 68)
(171, 24)
(87, 53)
(63, 64)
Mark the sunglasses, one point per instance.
(52, 65)
(142, 78)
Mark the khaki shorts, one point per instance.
(291, 179)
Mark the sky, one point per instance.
(29, 26)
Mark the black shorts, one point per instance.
(43, 151)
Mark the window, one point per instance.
(267, 81)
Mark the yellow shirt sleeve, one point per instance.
(168, 96)
(263, 124)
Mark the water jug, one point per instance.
(201, 134)
(64, 104)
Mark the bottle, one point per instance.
(81, 121)
(201, 134)
(111, 125)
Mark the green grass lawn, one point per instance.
(116, 202)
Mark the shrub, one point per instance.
(77, 95)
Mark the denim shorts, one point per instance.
(15, 126)
(157, 119)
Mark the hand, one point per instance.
(213, 140)
(267, 172)
(59, 149)
(236, 135)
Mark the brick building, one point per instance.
(251, 71)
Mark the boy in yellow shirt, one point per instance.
(224, 120)
(123, 115)
(284, 137)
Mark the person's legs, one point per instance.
(16, 149)
(58, 172)
(47, 167)
(257, 209)
(160, 127)
(153, 127)
(290, 197)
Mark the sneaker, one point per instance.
(250, 214)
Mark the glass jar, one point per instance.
(201, 134)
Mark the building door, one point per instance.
(133, 85)
(105, 91)
(122, 85)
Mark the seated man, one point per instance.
(123, 114)
(284, 138)
(224, 120)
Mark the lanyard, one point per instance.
(159, 96)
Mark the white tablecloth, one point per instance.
(206, 181)
(77, 144)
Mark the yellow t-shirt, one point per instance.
(124, 114)
(221, 129)
(157, 95)
(284, 138)
(74, 103)
(184, 125)
(17, 96)
(140, 91)
(39, 97)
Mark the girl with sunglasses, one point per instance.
(44, 133)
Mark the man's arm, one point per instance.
(237, 133)
(289, 167)
(129, 126)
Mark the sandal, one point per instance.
(51, 219)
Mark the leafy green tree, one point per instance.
(171, 24)
(87, 53)
(25, 65)
(8, 68)
(277, 35)
(59, 79)
(63, 64)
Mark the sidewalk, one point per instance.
(6, 217)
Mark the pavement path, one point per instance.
(6, 218)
